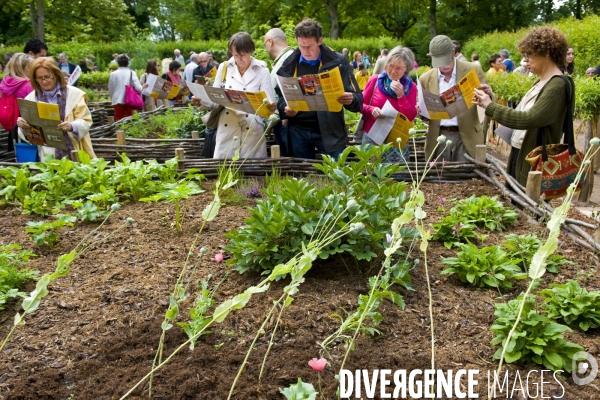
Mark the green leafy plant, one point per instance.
(300, 391)
(12, 273)
(573, 304)
(484, 211)
(361, 191)
(453, 230)
(536, 339)
(368, 304)
(48, 232)
(489, 266)
(175, 193)
(88, 211)
(525, 246)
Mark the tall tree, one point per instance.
(36, 13)
(433, 18)
(397, 16)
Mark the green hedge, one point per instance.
(583, 35)
(142, 51)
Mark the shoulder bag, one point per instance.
(559, 163)
(132, 97)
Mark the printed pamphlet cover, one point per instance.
(392, 126)
(237, 100)
(159, 88)
(313, 92)
(42, 119)
(452, 102)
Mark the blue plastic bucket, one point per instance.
(26, 152)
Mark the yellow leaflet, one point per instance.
(467, 86)
(333, 87)
(256, 101)
(48, 111)
(438, 115)
(399, 130)
(298, 105)
(173, 92)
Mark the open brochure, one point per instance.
(237, 100)
(43, 119)
(392, 126)
(450, 103)
(159, 88)
(313, 92)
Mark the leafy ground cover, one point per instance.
(96, 333)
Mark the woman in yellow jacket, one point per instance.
(362, 76)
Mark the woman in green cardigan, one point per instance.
(544, 106)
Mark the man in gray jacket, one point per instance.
(323, 130)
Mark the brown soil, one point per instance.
(95, 335)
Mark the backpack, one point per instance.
(9, 111)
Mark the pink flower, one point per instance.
(219, 256)
(443, 162)
(443, 199)
(431, 163)
(318, 365)
(389, 238)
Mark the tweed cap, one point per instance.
(441, 51)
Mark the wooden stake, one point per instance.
(180, 154)
(111, 120)
(275, 151)
(75, 155)
(534, 185)
(96, 106)
(480, 151)
(121, 138)
(194, 134)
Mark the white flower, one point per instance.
(273, 118)
(235, 138)
(441, 139)
(417, 261)
(357, 226)
(412, 132)
(351, 203)
(587, 162)
(190, 254)
(448, 142)
(595, 141)
(399, 140)
(265, 101)
(130, 220)
(203, 250)
(115, 207)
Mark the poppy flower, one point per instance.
(318, 365)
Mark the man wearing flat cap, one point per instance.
(464, 130)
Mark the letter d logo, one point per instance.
(581, 367)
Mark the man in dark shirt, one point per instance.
(323, 130)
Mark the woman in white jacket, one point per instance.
(116, 87)
(75, 117)
(250, 75)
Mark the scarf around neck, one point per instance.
(58, 95)
(175, 78)
(384, 82)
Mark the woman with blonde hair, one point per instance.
(362, 76)
(357, 59)
(15, 83)
(49, 86)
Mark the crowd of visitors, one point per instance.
(368, 85)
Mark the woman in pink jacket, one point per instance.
(16, 83)
(396, 86)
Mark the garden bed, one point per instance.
(96, 333)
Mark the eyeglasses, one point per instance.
(203, 61)
(397, 68)
(44, 78)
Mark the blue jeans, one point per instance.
(281, 133)
(305, 141)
